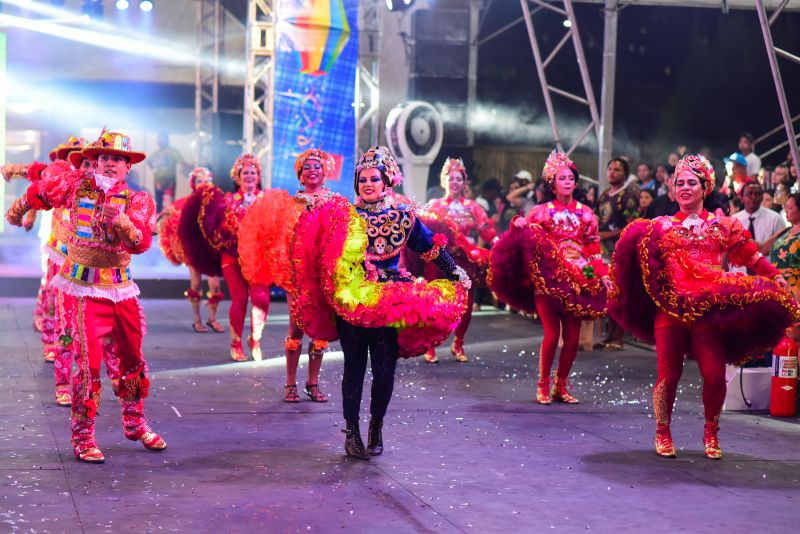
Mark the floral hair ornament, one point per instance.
(555, 161)
(327, 161)
(241, 162)
(450, 165)
(379, 157)
(700, 167)
(198, 173)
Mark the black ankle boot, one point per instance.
(375, 437)
(353, 445)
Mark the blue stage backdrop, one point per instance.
(315, 76)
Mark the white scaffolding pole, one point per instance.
(367, 97)
(259, 83)
(772, 55)
(472, 69)
(606, 135)
(541, 64)
(206, 82)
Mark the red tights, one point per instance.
(554, 321)
(239, 290)
(673, 340)
(461, 329)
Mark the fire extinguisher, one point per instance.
(784, 379)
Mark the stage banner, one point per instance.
(315, 76)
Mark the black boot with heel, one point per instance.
(353, 445)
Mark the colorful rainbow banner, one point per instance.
(315, 76)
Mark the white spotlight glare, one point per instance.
(122, 5)
(567, 23)
(146, 5)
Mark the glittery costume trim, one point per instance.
(661, 266)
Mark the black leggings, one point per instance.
(357, 342)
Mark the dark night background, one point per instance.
(685, 76)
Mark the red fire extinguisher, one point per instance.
(784, 379)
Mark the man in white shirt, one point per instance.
(746, 148)
(762, 223)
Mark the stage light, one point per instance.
(122, 5)
(399, 5)
(567, 23)
(92, 9)
(146, 5)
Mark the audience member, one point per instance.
(645, 199)
(165, 162)
(746, 149)
(737, 176)
(618, 205)
(762, 223)
(644, 175)
(784, 246)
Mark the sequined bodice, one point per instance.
(461, 211)
(571, 227)
(238, 202)
(700, 239)
(388, 230)
(312, 200)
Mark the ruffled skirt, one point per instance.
(525, 262)
(327, 254)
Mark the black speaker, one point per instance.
(226, 133)
(440, 66)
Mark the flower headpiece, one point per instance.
(555, 161)
(199, 172)
(450, 165)
(700, 167)
(379, 157)
(327, 161)
(241, 162)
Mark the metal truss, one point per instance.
(541, 65)
(773, 52)
(367, 97)
(259, 82)
(206, 82)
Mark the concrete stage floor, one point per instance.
(467, 449)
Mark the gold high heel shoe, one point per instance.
(711, 441)
(560, 392)
(664, 445)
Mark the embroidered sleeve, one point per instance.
(57, 184)
(439, 242)
(135, 227)
(538, 215)
(483, 224)
(742, 250)
(423, 241)
(445, 262)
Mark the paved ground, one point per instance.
(467, 449)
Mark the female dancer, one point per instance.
(674, 293)
(265, 236)
(551, 259)
(467, 220)
(218, 216)
(172, 248)
(345, 267)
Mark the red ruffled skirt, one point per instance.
(751, 312)
(526, 261)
